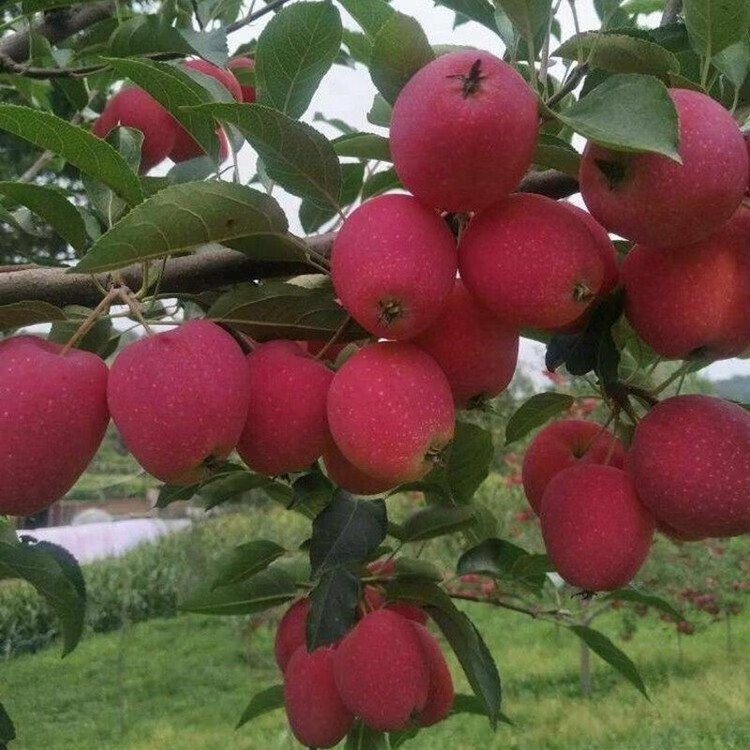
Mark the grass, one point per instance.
(181, 685)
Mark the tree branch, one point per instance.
(56, 27)
(250, 17)
(203, 270)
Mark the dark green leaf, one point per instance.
(734, 62)
(399, 50)
(220, 489)
(347, 530)
(90, 154)
(333, 604)
(467, 461)
(480, 11)
(311, 493)
(295, 155)
(98, 338)
(381, 182)
(295, 50)
(529, 17)
(53, 206)
(178, 91)
(631, 594)
(143, 35)
(407, 567)
(363, 146)
(364, 738)
(617, 659)
(627, 113)
(715, 24)
(504, 560)
(245, 561)
(277, 310)
(181, 217)
(53, 579)
(470, 704)
(371, 15)
(380, 112)
(472, 652)
(262, 703)
(535, 412)
(7, 730)
(264, 590)
(436, 520)
(313, 216)
(554, 153)
(619, 53)
(28, 313)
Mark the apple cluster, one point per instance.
(326, 690)
(163, 136)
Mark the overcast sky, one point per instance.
(347, 94)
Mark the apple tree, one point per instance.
(325, 327)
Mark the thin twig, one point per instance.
(254, 16)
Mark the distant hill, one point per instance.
(736, 388)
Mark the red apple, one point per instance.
(248, 92)
(440, 696)
(53, 415)
(463, 131)
(291, 633)
(690, 461)
(652, 199)
(343, 473)
(531, 262)
(179, 400)
(393, 265)
(390, 411)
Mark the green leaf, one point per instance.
(627, 113)
(295, 50)
(313, 216)
(144, 35)
(179, 92)
(503, 560)
(34, 6)
(28, 313)
(262, 703)
(529, 17)
(311, 493)
(715, 24)
(277, 310)
(380, 112)
(333, 604)
(181, 217)
(734, 62)
(296, 156)
(364, 738)
(90, 154)
(480, 11)
(371, 15)
(347, 530)
(359, 46)
(619, 53)
(554, 153)
(245, 560)
(399, 50)
(53, 206)
(381, 182)
(535, 412)
(470, 649)
(363, 146)
(631, 594)
(7, 730)
(617, 659)
(261, 592)
(99, 337)
(436, 520)
(53, 579)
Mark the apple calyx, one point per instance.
(472, 80)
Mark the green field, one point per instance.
(181, 685)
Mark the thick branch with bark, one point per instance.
(206, 270)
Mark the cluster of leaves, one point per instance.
(114, 218)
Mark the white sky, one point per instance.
(347, 94)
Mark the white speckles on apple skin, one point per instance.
(53, 415)
(179, 399)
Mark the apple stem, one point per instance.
(87, 324)
(129, 299)
(336, 336)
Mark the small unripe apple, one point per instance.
(287, 427)
(236, 63)
(343, 473)
(390, 411)
(440, 695)
(393, 265)
(134, 108)
(316, 713)
(596, 530)
(53, 415)
(562, 444)
(463, 131)
(531, 262)
(655, 200)
(690, 462)
(477, 352)
(381, 671)
(692, 300)
(291, 633)
(179, 400)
